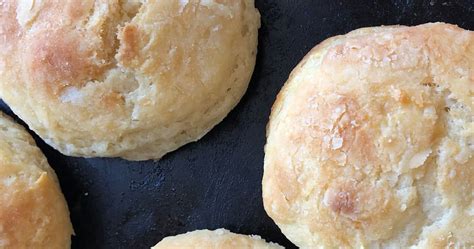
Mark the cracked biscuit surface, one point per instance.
(33, 212)
(218, 239)
(125, 78)
(370, 142)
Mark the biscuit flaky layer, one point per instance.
(219, 239)
(33, 212)
(370, 142)
(133, 79)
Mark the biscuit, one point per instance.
(370, 142)
(33, 212)
(219, 238)
(131, 79)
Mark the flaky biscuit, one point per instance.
(33, 212)
(218, 239)
(370, 142)
(132, 79)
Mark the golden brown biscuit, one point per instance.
(370, 142)
(33, 212)
(132, 79)
(218, 239)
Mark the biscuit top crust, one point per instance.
(33, 212)
(217, 239)
(370, 142)
(115, 77)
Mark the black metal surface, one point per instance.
(216, 182)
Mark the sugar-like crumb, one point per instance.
(419, 159)
(337, 143)
(71, 95)
(207, 3)
(182, 4)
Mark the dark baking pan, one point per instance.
(216, 182)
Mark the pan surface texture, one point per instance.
(216, 182)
